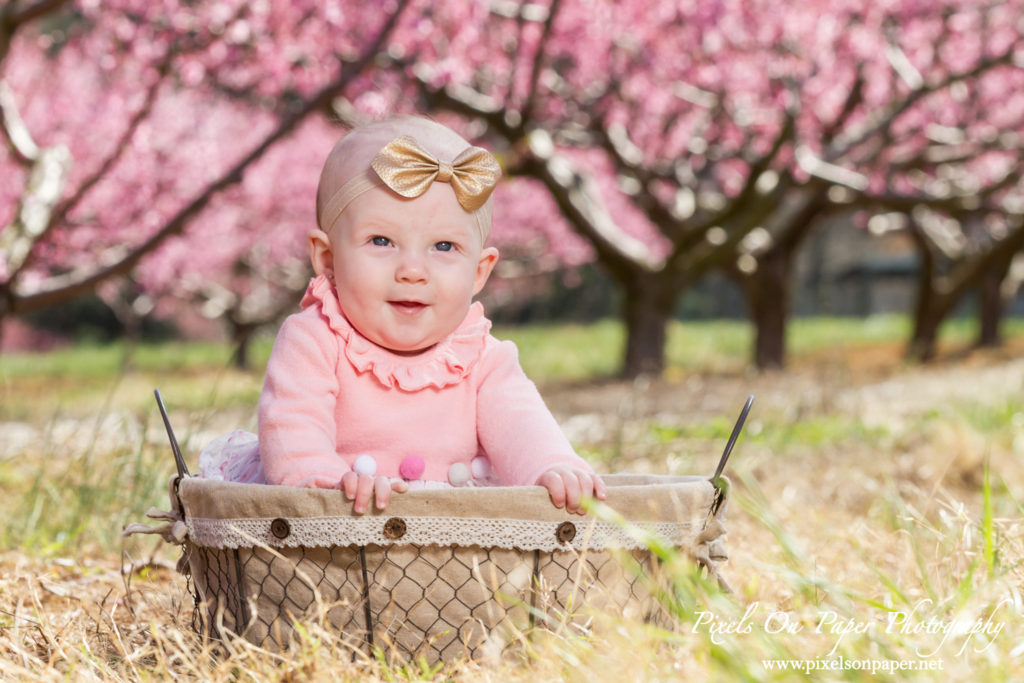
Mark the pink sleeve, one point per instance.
(515, 428)
(297, 428)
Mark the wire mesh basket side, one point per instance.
(439, 602)
(443, 602)
(219, 602)
(259, 593)
(571, 586)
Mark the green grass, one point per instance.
(108, 360)
(993, 419)
(85, 503)
(74, 380)
(548, 352)
(812, 334)
(579, 352)
(812, 432)
(567, 352)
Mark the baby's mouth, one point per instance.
(408, 307)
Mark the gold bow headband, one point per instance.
(408, 169)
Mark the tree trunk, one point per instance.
(768, 297)
(648, 311)
(241, 336)
(990, 308)
(991, 300)
(936, 298)
(927, 317)
(925, 336)
(767, 288)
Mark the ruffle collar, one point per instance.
(448, 362)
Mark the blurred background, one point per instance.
(697, 194)
(665, 161)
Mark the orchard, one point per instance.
(160, 151)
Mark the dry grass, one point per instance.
(864, 491)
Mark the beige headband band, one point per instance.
(409, 170)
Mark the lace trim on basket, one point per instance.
(586, 534)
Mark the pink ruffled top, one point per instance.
(331, 395)
(448, 362)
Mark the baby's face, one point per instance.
(406, 270)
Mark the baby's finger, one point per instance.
(574, 487)
(600, 490)
(349, 483)
(363, 493)
(399, 485)
(382, 492)
(587, 485)
(555, 485)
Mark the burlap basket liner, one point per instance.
(439, 573)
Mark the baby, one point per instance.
(389, 377)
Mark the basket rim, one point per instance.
(639, 510)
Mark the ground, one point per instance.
(858, 481)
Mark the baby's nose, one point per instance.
(411, 268)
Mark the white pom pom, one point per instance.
(481, 467)
(458, 474)
(365, 465)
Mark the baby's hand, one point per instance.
(359, 487)
(568, 486)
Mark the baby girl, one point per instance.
(388, 377)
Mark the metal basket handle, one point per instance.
(178, 459)
(716, 480)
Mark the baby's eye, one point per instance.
(380, 241)
(444, 246)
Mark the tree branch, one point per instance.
(628, 158)
(538, 59)
(12, 18)
(738, 204)
(881, 122)
(968, 271)
(62, 289)
(702, 256)
(854, 98)
(63, 208)
(15, 17)
(620, 252)
(19, 140)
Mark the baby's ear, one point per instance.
(488, 257)
(321, 255)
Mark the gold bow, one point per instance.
(408, 169)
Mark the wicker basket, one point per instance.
(440, 573)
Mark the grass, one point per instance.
(881, 497)
(717, 345)
(553, 353)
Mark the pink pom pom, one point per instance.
(412, 467)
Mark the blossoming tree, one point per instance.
(673, 139)
(129, 123)
(678, 138)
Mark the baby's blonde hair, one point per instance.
(350, 159)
